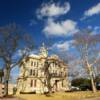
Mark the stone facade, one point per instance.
(32, 75)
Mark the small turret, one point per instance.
(43, 50)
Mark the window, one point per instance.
(45, 82)
(31, 72)
(37, 64)
(31, 84)
(61, 73)
(36, 73)
(31, 63)
(34, 83)
(34, 64)
(62, 84)
(55, 72)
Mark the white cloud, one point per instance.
(96, 27)
(52, 9)
(52, 26)
(92, 11)
(61, 46)
(89, 27)
(96, 30)
(62, 28)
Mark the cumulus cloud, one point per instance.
(62, 28)
(54, 27)
(92, 11)
(52, 9)
(61, 46)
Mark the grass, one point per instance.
(60, 96)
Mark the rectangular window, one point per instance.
(62, 84)
(34, 83)
(61, 74)
(32, 63)
(37, 64)
(36, 72)
(31, 84)
(31, 72)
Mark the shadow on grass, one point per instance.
(11, 97)
(48, 95)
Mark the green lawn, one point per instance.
(60, 96)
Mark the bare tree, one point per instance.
(88, 50)
(1, 75)
(12, 39)
(49, 75)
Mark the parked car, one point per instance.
(85, 87)
(98, 86)
(73, 88)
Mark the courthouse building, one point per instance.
(32, 74)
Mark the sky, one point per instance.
(52, 21)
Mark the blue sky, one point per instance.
(68, 12)
(52, 21)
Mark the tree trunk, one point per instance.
(49, 84)
(91, 74)
(6, 87)
(6, 80)
(49, 87)
(93, 84)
